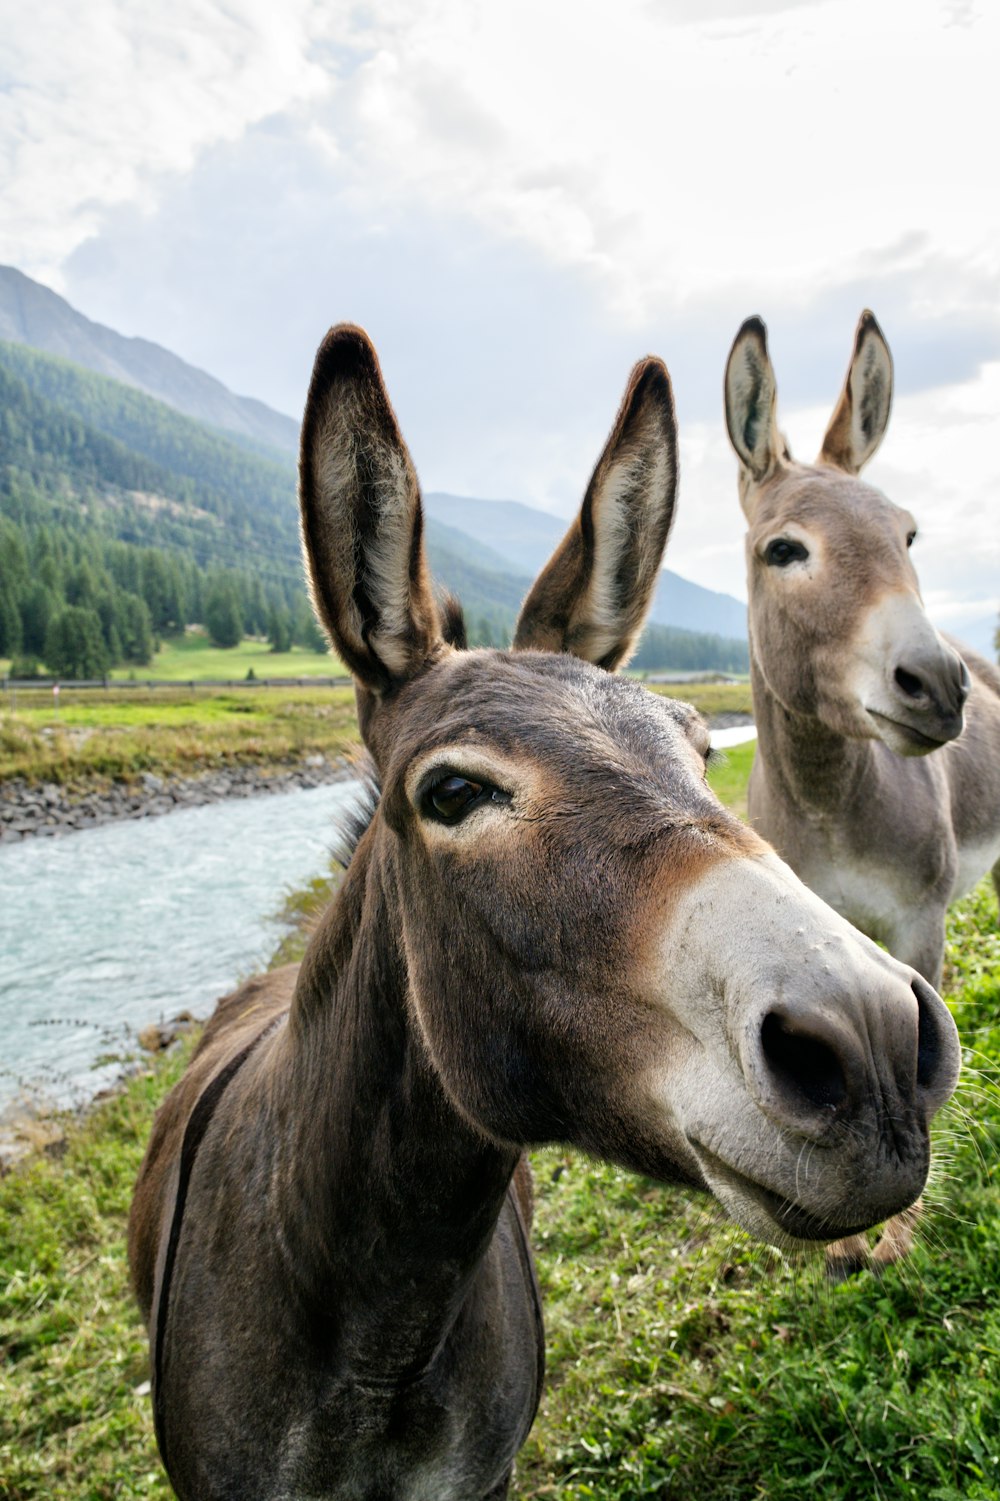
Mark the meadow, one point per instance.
(185, 729)
(682, 1359)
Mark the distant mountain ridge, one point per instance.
(35, 315)
(229, 460)
(526, 537)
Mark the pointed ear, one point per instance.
(362, 524)
(592, 596)
(751, 393)
(861, 416)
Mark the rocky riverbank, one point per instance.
(47, 810)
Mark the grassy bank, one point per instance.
(171, 731)
(193, 656)
(682, 1360)
(118, 733)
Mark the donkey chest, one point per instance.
(875, 897)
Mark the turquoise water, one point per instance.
(104, 931)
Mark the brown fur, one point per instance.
(592, 950)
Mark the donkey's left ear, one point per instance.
(362, 524)
(861, 416)
(593, 595)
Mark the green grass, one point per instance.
(193, 656)
(119, 732)
(682, 1361)
(171, 731)
(728, 774)
(709, 698)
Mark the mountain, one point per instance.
(34, 315)
(100, 454)
(91, 464)
(525, 538)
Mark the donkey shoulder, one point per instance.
(237, 1019)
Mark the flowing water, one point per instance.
(104, 931)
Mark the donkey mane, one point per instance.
(352, 822)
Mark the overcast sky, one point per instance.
(519, 200)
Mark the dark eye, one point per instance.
(452, 797)
(910, 538)
(782, 551)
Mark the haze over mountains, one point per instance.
(34, 315)
(167, 456)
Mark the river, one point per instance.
(104, 931)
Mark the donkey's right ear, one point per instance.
(751, 403)
(594, 593)
(362, 524)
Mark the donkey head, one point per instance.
(594, 950)
(838, 627)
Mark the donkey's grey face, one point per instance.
(839, 628)
(837, 622)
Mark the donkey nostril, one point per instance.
(911, 685)
(964, 684)
(804, 1066)
(928, 1039)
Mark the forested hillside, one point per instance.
(121, 521)
(33, 315)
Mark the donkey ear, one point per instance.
(751, 403)
(362, 524)
(861, 416)
(592, 596)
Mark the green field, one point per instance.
(683, 1361)
(118, 733)
(192, 656)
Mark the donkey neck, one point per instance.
(390, 1197)
(810, 764)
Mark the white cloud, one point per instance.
(519, 200)
(760, 153)
(99, 103)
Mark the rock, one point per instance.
(155, 1038)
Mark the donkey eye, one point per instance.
(782, 551)
(452, 797)
(910, 538)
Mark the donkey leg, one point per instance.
(845, 1258)
(500, 1492)
(896, 1241)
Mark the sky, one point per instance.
(520, 200)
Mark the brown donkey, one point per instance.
(549, 931)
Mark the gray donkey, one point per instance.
(878, 768)
(877, 774)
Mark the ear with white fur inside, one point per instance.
(861, 415)
(751, 398)
(592, 597)
(362, 523)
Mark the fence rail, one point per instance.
(107, 685)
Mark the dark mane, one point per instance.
(353, 821)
